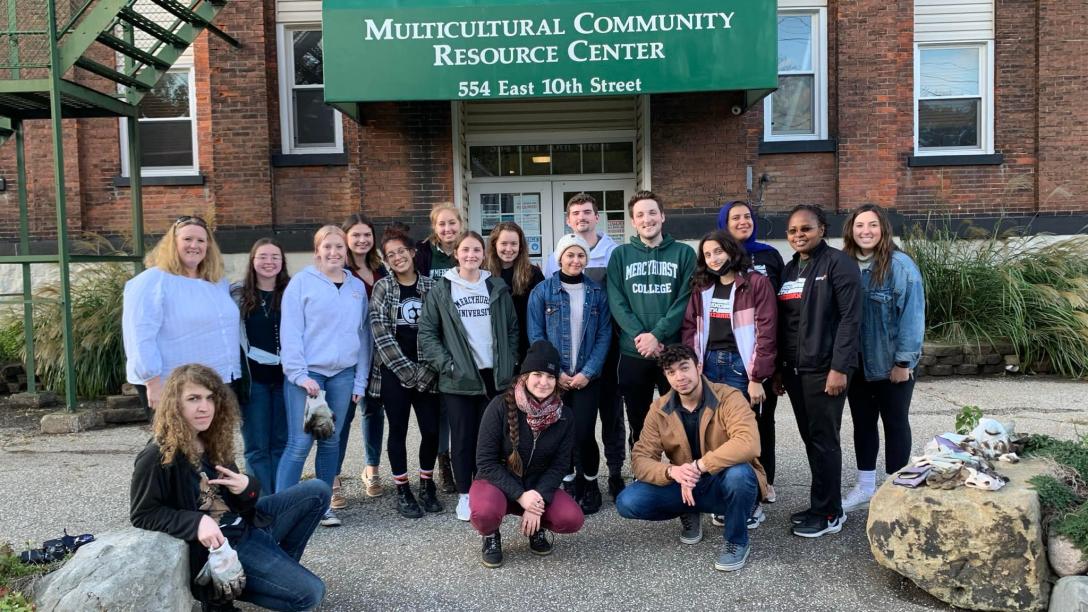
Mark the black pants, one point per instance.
(819, 418)
(613, 431)
(583, 404)
(464, 413)
(398, 404)
(637, 379)
(889, 402)
(765, 422)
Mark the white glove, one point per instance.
(223, 572)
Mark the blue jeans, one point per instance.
(338, 395)
(270, 555)
(731, 492)
(264, 431)
(726, 368)
(373, 432)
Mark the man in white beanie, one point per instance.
(583, 217)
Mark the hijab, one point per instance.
(750, 244)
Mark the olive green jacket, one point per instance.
(443, 342)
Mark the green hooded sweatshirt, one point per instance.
(648, 290)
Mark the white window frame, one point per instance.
(146, 171)
(286, 64)
(986, 93)
(819, 86)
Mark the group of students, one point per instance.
(508, 368)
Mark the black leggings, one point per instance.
(889, 402)
(464, 413)
(765, 421)
(819, 418)
(613, 431)
(637, 379)
(583, 403)
(398, 404)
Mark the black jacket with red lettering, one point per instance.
(830, 312)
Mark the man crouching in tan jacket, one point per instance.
(709, 434)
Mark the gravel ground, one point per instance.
(378, 560)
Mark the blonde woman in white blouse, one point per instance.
(179, 311)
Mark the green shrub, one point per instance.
(1070, 453)
(98, 352)
(1025, 290)
(11, 339)
(1054, 495)
(1075, 527)
(967, 419)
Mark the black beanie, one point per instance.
(542, 357)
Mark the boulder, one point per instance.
(980, 550)
(1070, 595)
(1065, 558)
(128, 570)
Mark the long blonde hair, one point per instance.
(174, 435)
(165, 254)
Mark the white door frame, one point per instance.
(588, 183)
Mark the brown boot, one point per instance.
(445, 474)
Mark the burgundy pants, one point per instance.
(489, 505)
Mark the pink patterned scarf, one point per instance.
(539, 413)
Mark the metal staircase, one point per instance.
(64, 59)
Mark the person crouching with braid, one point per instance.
(526, 438)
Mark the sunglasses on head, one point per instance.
(190, 220)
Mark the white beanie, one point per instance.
(568, 241)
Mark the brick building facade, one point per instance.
(1031, 162)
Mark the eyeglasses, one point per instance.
(397, 253)
(190, 220)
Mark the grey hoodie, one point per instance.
(473, 304)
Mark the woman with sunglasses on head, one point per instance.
(508, 258)
(731, 323)
(365, 264)
(469, 334)
(179, 310)
(893, 327)
(185, 484)
(264, 416)
(325, 345)
(399, 378)
(819, 321)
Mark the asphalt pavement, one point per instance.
(380, 561)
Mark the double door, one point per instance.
(539, 208)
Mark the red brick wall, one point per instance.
(1063, 89)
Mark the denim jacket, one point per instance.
(894, 318)
(549, 319)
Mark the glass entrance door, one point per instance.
(611, 196)
(529, 204)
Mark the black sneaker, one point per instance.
(591, 499)
(800, 517)
(492, 553)
(540, 544)
(406, 502)
(568, 487)
(579, 488)
(615, 485)
(445, 473)
(691, 528)
(817, 526)
(428, 497)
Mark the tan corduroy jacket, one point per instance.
(727, 428)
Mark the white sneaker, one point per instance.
(771, 495)
(463, 511)
(330, 519)
(858, 497)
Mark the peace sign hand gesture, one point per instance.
(233, 481)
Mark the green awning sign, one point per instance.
(386, 50)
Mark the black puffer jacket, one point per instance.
(545, 459)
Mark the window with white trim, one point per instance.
(308, 125)
(953, 99)
(168, 132)
(798, 109)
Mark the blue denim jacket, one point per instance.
(549, 319)
(894, 318)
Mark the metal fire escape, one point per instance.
(66, 59)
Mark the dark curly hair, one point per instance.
(739, 261)
(674, 354)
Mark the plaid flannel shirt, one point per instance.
(384, 302)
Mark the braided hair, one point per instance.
(513, 462)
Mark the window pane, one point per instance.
(169, 99)
(794, 43)
(949, 72)
(308, 65)
(948, 123)
(535, 160)
(793, 106)
(591, 158)
(484, 160)
(509, 161)
(566, 159)
(166, 143)
(314, 120)
(619, 157)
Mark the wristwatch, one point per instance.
(902, 364)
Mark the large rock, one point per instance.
(122, 571)
(979, 550)
(1070, 595)
(1065, 558)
